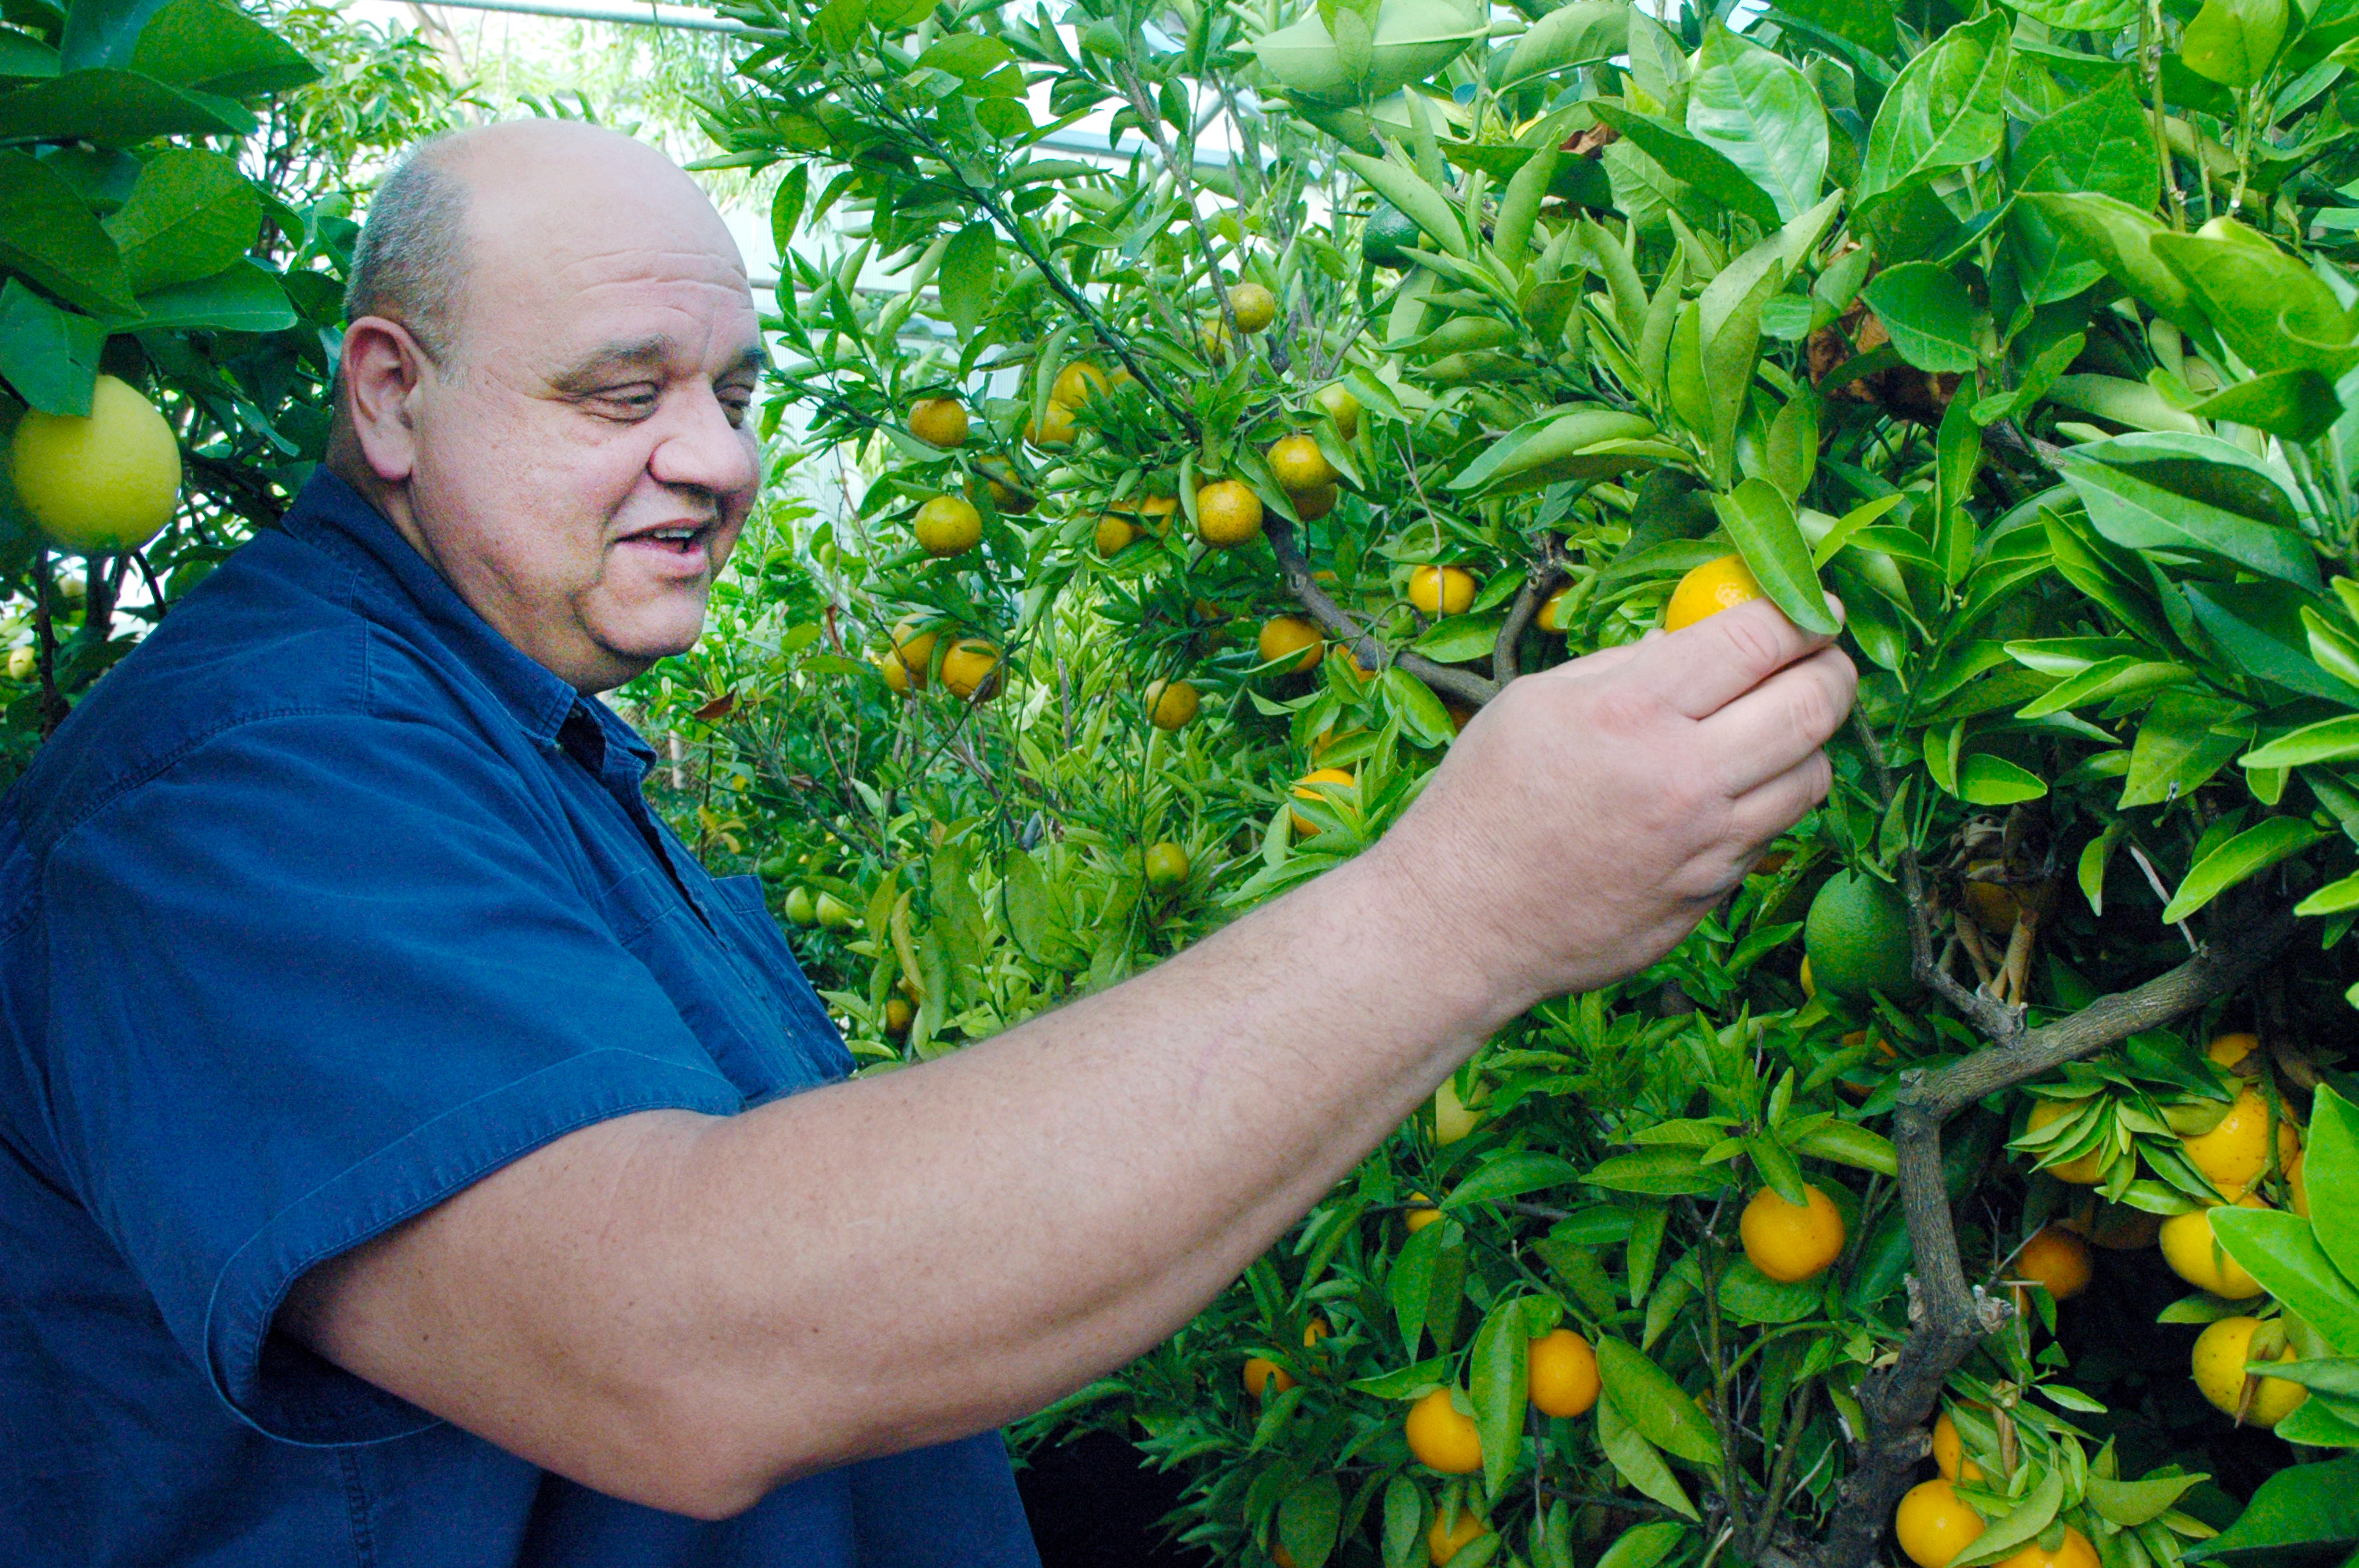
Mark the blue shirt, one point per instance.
(326, 903)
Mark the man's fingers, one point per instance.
(1702, 668)
(1598, 663)
(1782, 720)
(1771, 808)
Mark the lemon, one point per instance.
(106, 483)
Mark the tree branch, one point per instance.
(1536, 587)
(1467, 687)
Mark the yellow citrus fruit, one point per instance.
(1561, 1373)
(1283, 637)
(1227, 515)
(1441, 1545)
(1299, 464)
(1264, 1377)
(1167, 866)
(1078, 383)
(1315, 503)
(1933, 1525)
(915, 650)
(2074, 1551)
(1253, 307)
(897, 1015)
(1419, 1218)
(1790, 1242)
(2236, 1155)
(896, 674)
(1307, 788)
(2056, 1259)
(2195, 1255)
(23, 663)
(1451, 1119)
(106, 482)
(1341, 407)
(999, 480)
(971, 669)
(2297, 1184)
(1440, 1437)
(1170, 705)
(1441, 590)
(1949, 1452)
(1113, 535)
(2087, 1170)
(1551, 618)
(2229, 1049)
(2220, 1352)
(1809, 988)
(1708, 589)
(939, 421)
(948, 525)
(1055, 427)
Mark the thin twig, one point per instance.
(1466, 687)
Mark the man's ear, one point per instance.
(382, 371)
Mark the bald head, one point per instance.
(489, 194)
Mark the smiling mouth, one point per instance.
(685, 540)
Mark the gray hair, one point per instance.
(410, 263)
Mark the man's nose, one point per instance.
(703, 450)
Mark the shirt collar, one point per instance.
(334, 516)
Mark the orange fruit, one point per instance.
(1300, 465)
(939, 421)
(1441, 1545)
(1227, 515)
(897, 1014)
(1253, 307)
(1167, 866)
(1264, 1377)
(1949, 1452)
(1551, 618)
(896, 674)
(1708, 589)
(1791, 1242)
(1315, 503)
(2221, 1351)
(1054, 427)
(2056, 1259)
(1078, 383)
(948, 526)
(1561, 1373)
(2236, 1155)
(2193, 1251)
(2229, 1049)
(2074, 1551)
(1315, 1331)
(1441, 1438)
(1441, 590)
(1346, 654)
(1419, 1218)
(1933, 1525)
(1170, 703)
(1113, 535)
(971, 669)
(2086, 1171)
(915, 650)
(1341, 407)
(1307, 788)
(998, 476)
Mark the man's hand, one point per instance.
(1595, 812)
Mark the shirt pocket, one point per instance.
(721, 997)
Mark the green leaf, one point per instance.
(2253, 850)
(1412, 1282)
(2185, 738)
(2019, 1525)
(102, 32)
(2331, 1172)
(2301, 1505)
(1751, 1296)
(1642, 1546)
(1457, 638)
(1867, 23)
(49, 356)
(1929, 314)
(1658, 1173)
(1945, 109)
(2298, 405)
(1849, 1143)
(2258, 625)
(1762, 524)
(2126, 506)
(1691, 161)
(2313, 1423)
(2281, 1250)
(2102, 143)
(1580, 34)
(2132, 1503)
(216, 49)
(2233, 42)
(970, 276)
(2079, 16)
(1637, 1460)
(1496, 1384)
(1656, 1406)
(2268, 306)
(191, 215)
(1760, 111)
(1512, 1175)
(112, 108)
(1987, 779)
(47, 233)
(245, 298)
(1406, 188)
(1308, 1519)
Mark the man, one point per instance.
(400, 1156)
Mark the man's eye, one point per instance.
(635, 399)
(737, 405)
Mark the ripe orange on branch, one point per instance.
(1934, 1525)
(948, 526)
(1307, 788)
(1253, 307)
(1170, 705)
(1228, 515)
(939, 421)
(971, 669)
(1298, 465)
(1441, 590)
(107, 480)
(1078, 383)
(1442, 1439)
(2236, 1155)
(1341, 407)
(1561, 1373)
(1441, 1545)
(1708, 589)
(2074, 1550)
(2056, 1259)
(1790, 1242)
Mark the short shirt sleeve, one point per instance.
(317, 976)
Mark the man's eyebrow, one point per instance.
(644, 355)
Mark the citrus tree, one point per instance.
(1195, 496)
(174, 193)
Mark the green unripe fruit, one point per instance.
(833, 913)
(1857, 939)
(800, 908)
(777, 869)
(1385, 242)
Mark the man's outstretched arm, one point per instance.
(686, 1311)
